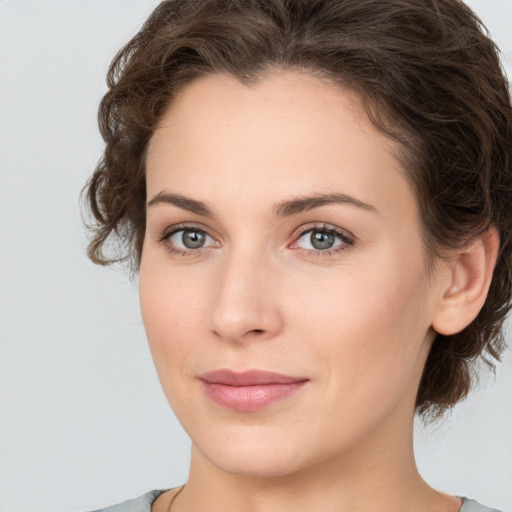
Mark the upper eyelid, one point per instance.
(326, 227)
(176, 228)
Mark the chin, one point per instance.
(262, 456)
(255, 465)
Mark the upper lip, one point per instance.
(248, 378)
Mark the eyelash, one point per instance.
(346, 239)
(183, 252)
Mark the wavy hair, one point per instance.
(430, 78)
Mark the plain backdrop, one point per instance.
(83, 422)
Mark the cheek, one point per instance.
(170, 308)
(358, 329)
(366, 328)
(170, 312)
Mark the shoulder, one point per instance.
(473, 506)
(141, 504)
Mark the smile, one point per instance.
(249, 391)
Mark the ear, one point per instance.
(464, 291)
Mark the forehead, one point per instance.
(303, 104)
(290, 134)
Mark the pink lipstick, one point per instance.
(251, 390)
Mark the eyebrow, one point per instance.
(185, 203)
(304, 203)
(286, 208)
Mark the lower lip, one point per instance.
(250, 398)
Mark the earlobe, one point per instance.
(465, 290)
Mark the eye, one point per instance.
(187, 240)
(323, 239)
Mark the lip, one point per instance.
(251, 390)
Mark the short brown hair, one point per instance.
(430, 78)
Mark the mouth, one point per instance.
(252, 390)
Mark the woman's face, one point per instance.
(282, 236)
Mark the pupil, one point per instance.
(193, 239)
(322, 240)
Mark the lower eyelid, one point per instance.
(184, 252)
(325, 252)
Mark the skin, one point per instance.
(357, 322)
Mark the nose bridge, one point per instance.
(245, 300)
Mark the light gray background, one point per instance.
(83, 421)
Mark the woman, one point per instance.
(316, 197)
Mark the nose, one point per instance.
(245, 302)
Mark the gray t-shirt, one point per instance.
(143, 504)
